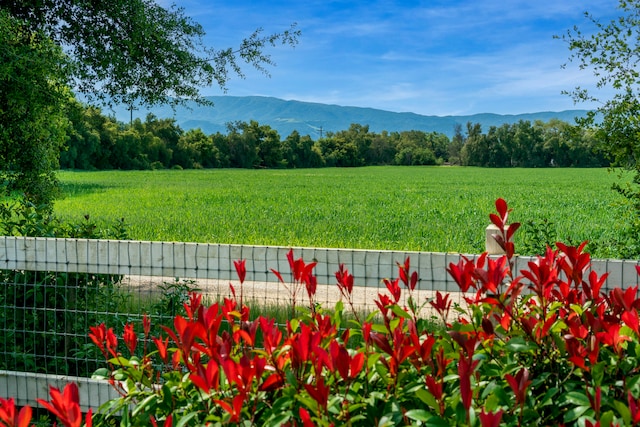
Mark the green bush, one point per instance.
(44, 314)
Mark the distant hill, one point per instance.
(310, 118)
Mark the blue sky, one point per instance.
(428, 57)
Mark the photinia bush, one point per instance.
(545, 347)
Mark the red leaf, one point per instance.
(414, 280)
(24, 417)
(306, 418)
(319, 392)
(630, 318)
(241, 269)
(162, 347)
(207, 378)
(345, 280)
(278, 275)
(490, 419)
(130, 338)
(519, 384)
(502, 208)
(497, 221)
(511, 230)
(466, 366)
(434, 387)
(65, 406)
(394, 288)
(273, 382)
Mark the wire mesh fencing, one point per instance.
(53, 290)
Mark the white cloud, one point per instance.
(456, 58)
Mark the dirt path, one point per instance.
(275, 293)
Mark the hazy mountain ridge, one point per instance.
(313, 118)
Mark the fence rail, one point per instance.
(73, 270)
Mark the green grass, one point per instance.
(442, 209)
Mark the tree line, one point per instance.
(120, 51)
(98, 141)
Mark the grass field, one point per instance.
(442, 209)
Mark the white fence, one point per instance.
(145, 265)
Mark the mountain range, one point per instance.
(315, 119)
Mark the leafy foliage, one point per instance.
(136, 50)
(550, 346)
(33, 92)
(99, 142)
(122, 51)
(45, 310)
(612, 52)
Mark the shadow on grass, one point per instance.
(72, 189)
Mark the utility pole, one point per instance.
(131, 108)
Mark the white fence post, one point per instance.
(491, 246)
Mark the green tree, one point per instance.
(455, 147)
(268, 145)
(126, 51)
(300, 152)
(243, 150)
(414, 148)
(127, 152)
(475, 149)
(221, 150)
(118, 51)
(528, 143)
(197, 150)
(612, 53)
(33, 95)
(497, 143)
(346, 148)
(169, 133)
(83, 143)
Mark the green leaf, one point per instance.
(382, 371)
(184, 420)
(142, 406)
(491, 370)
(575, 413)
(519, 345)
(623, 410)
(497, 398)
(167, 398)
(577, 308)
(282, 404)
(101, 374)
(377, 327)
(373, 359)
(354, 325)
(126, 419)
(606, 419)
(436, 422)
(426, 397)
(633, 383)
(547, 399)
(418, 414)
(398, 311)
(576, 398)
(339, 308)
(597, 373)
(386, 421)
(278, 419)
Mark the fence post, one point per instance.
(491, 246)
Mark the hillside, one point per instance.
(313, 118)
